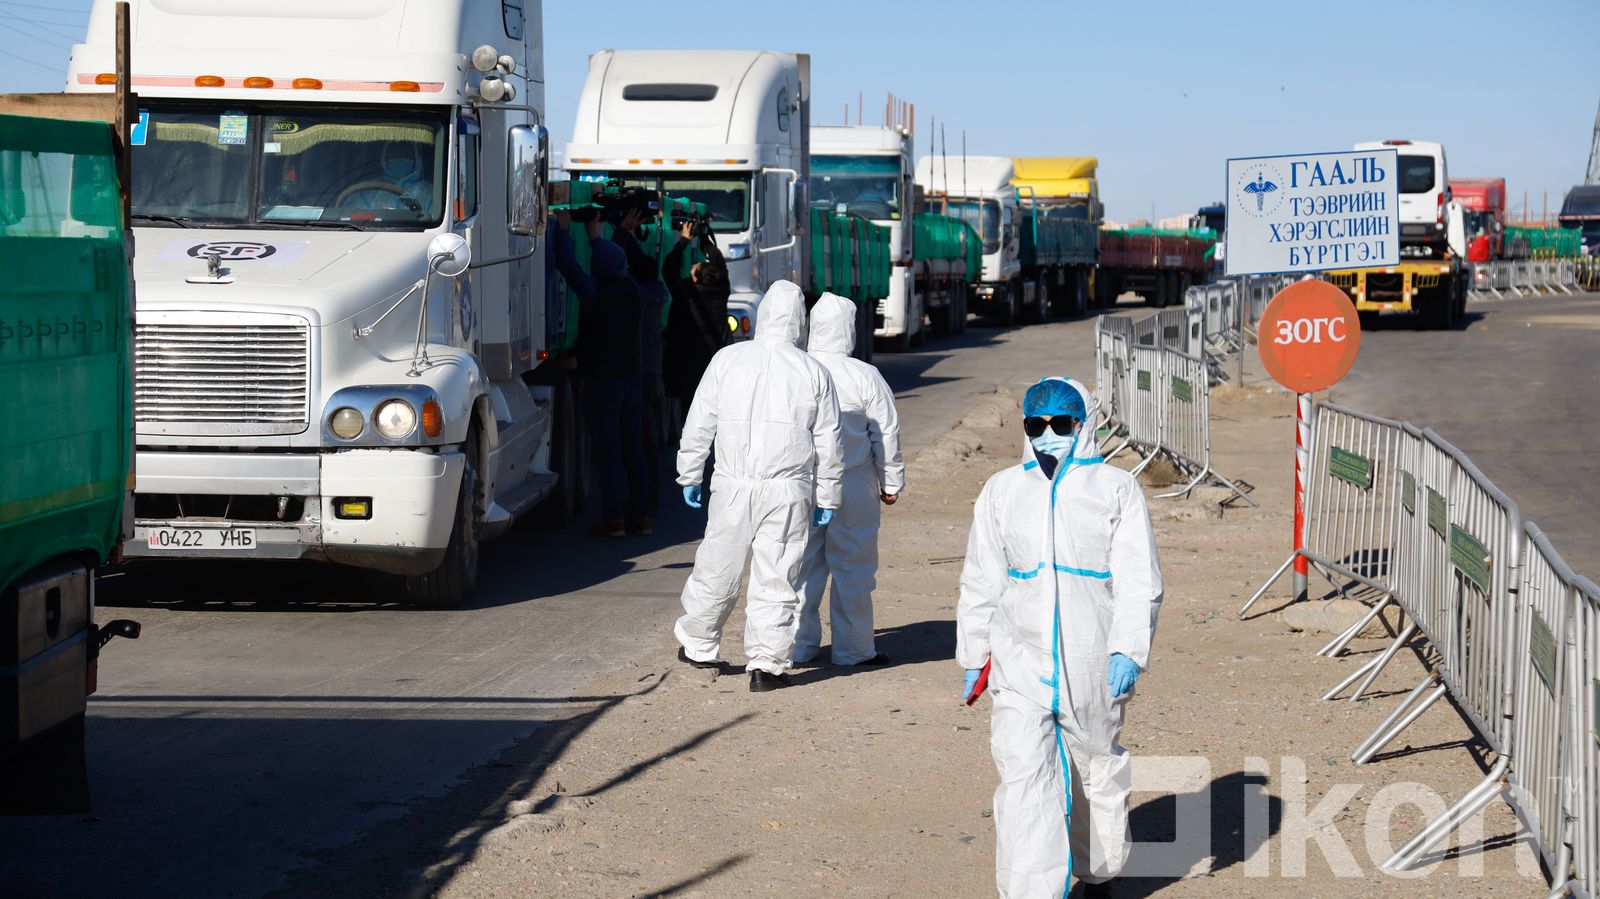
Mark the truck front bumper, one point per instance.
(410, 494)
(893, 316)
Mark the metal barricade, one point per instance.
(1172, 329)
(1478, 575)
(1542, 641)
(1186, 420)
(1144, 407)
(1583, 760)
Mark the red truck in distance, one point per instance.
(1484, 201)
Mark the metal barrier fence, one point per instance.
(1530, 277)
(1510, 631)
(1221, 316)
(1155, 396)
(1582, 771)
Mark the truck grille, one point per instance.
(221, 373)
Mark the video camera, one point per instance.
(701, 223)
(614, 199)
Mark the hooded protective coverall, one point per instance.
(770, 410)
(848, 546)
(1060, 573)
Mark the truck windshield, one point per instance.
(727, 197)
(863, 185)
(286, 167)
(1416, 174)
(1585, 202)
(982, 215)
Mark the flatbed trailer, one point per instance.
(1434, 290)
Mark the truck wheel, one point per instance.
(1037, 312)
(49, 776)
(943, 319)
(451, 584)
(962, 302)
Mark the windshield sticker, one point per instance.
(272, 147)
(233, 129)
(140, 132)
(228, 251)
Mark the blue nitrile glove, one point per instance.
(693, 495)
(821, 517)
(968, 681)
(1121, 674)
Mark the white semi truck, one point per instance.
(866, 170)
(341, 347)
(727, 128)
(978, 189)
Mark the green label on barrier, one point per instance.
(1171, 332)
(1182, 389)
(1347, 466)
(1470, 557)
(1144, 380)
(1542, 649)
(1436, 512)
(1117, 364)
(1408, 491)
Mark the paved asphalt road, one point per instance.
(272, 715)
(1517, 388)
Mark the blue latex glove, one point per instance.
(694, 496)
(1121, 674)
(821, 517)
(968, 681)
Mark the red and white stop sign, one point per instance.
(1309, 336)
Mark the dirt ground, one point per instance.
(878, 782)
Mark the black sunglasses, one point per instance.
(1063, 425)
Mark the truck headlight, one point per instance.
(394, 419)
(346, 423)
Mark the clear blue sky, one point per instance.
(1161, 91)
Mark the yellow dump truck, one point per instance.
(1059, 217)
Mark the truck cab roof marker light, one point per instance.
(106, 79)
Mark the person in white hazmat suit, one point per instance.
(1059, 596)
(873, 473)
(769, 410)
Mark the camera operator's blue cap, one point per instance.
(1053, 396)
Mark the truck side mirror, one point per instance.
(449, 254)
(527, 171)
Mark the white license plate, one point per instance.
(201, 538)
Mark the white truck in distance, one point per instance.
(978, 190)
(867, 170)
(341, 322)
(726, 128)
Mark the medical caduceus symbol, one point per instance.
(1260, 187)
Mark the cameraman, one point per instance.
(697, 320)
(641, 208)
(609, 369)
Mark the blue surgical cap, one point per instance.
(1053, 396)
